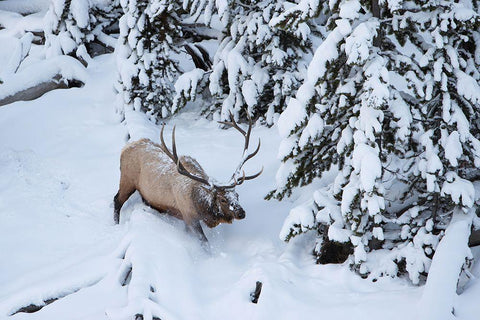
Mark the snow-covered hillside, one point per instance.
(59, 169)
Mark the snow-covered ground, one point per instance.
(59, 169)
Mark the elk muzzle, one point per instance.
(239, 214)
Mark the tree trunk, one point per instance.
(474, 239)
(377, 41)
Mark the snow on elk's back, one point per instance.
(154, 151)
(63, 258)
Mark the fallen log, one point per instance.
(29, 83)
(57, 82)
(32, 308)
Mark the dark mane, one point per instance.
(203, 201)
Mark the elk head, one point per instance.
(220, 202)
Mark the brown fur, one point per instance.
(146, 168)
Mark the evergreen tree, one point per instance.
(394, 114)
(78, 27)
(145, 55)
(258, 65)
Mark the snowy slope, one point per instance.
(59, 159)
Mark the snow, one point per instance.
(467, 87)
(358, 43)
(16, 25)
(349, 193)
(60, 168)
(186, 86)
(402, 112)
(302, 215)
(453, 148)
(430, 162)
(458, 188)
(367, 165)
(313, 129)
(79, 10)
(438, 298)
(338, 233)
(24, 6)
(291, 117)
(249, 92)
(349, 9)
(66, 67)
(13, 52)
(462, 13)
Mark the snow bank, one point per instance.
(70, 277)
(439, 294)
(154, 281)
(57, 69)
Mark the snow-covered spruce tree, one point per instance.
(79, 28)
(395, 115)
(261, 63)
(145, 51)
(258, 65)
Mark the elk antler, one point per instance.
(173, 155)
(245, 156)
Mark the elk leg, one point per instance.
(197, 230)
(118, 202)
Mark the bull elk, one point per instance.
(179, 186)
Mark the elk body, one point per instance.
(179, 186)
